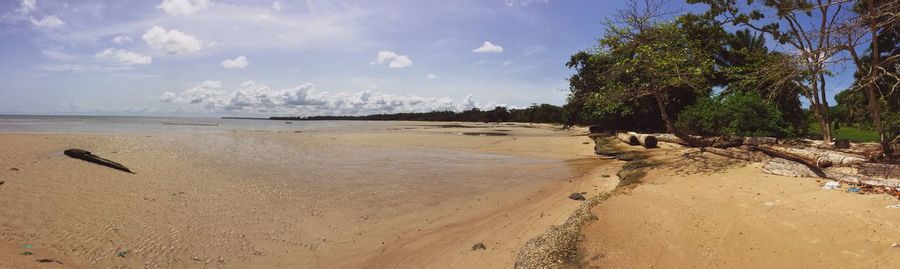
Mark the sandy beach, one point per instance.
(390, 195)
(695, 210)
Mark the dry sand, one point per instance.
(707, 211)
(401, 195)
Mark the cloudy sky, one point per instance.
(288, 57)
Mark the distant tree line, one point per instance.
(537, 113)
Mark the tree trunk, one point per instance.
(886, 150)
(661, 102)
(818, 110)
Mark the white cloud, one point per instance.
(512, 3)
(393, 59)
(28, 5)
(171, 41)
(239, 62)
(119, 39)
(48, 21)
(80, 68)
(488, 47)
(431, 76)
(125, 56)
(276, 6)
(256, 98)
(182, 7)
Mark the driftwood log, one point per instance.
(646, 140)
(627, 138)
(815, 156)
(741, 153)
(879, 170)
(89, 157)
(782, 167)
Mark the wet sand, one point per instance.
(398, 195)
(707, 211)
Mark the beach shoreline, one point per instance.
(178, 209)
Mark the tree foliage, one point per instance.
(740, 113)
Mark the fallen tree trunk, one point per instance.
(669, 138)
(835, 174)
(879, 170)
(627, 138)
(646, 140)
(738, 153)
(759, 140)
(783, 167)
(815, 156)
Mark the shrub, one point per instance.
(741, 114)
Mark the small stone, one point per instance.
(479, 246)
(576, 196)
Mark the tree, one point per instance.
(879, 20)
(740, 113)
(813, 43)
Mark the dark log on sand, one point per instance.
(815, 156)
(87, 156)
(646, 140)
(627, 138)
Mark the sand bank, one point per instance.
(399, 195)
(706, 211)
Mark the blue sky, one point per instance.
(219, 57)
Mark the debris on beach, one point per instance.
(89, 157)
(832, 185)
(26, 253)
(14, 169)
(2, 182)
(479, 246)
(122, 254)
(576, 196)
(48, 260)
(853, 189)
(893, 206)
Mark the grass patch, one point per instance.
(846, 132)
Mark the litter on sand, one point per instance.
(893, 206)
(832, 185)
(853, 189)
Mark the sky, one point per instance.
(301, 58)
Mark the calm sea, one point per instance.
(130, 124)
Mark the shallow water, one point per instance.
(124, 124)
(255, 193)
